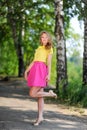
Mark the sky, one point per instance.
(78, 28)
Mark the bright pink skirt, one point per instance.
(37, 75)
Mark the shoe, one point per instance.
(53, 94)
(38, 122)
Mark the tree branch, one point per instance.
(84, 1)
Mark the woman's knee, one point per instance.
(31, 93)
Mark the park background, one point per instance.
(20, 25)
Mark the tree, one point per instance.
(84, 1)
(85, 50)
(64, 10)
(22, 16)
(83, 16)
(15, 21)
(61, 48)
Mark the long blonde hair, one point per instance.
(49, 43)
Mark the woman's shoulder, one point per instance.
(50, 50)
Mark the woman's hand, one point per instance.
(25, 75)
(27, 70)
(47, 78)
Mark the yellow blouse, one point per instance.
(41, 54)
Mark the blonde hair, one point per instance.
(49, 43)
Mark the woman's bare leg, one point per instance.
(40, 109)
(36, 93)
(40, 106)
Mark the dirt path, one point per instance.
(18, 111)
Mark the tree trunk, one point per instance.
(85, 54)
(60, 48)
(20, 50)
(16, 27)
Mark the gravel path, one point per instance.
(18, 111)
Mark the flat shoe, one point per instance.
(53, 94)
(38, 122)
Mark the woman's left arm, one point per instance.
(49, 66)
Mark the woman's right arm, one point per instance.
(28, 69)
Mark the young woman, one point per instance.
(38, 73)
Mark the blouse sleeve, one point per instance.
(51, 51)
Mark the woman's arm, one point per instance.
(28, 69)
(49, 66)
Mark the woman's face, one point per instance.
(44, 39)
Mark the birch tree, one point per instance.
(60, 47)
(85, 46)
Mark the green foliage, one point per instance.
(35, 16)
(72, 8)
(76, 93)
(8, 64)
(53, 69)
(38, 15)
(8, 58)
(84, 99)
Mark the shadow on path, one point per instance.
(21, 118)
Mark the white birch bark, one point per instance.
(61, 48)
(85, 54)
